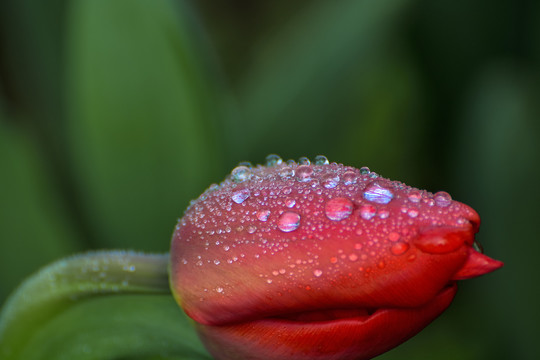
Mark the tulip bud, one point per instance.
(318, 261)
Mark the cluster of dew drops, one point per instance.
(311, 179)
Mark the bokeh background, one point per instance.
(114, 114)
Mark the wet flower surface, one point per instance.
(319, 261)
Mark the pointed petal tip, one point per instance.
(477, 264)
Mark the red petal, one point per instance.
(346, 339)
(477, 264)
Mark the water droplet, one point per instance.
(442, 199)
(412, 213)
(358, 246)
(330, 181)
(364, 170)
(217, 262)
(383, 214)
(415, 196)
(317, 272)
(349, 178)
(333, 260)
(246, 164)
(304, 161)
(378, 194)
(240, 174)
(290, 202)
(251, 229)
(269, 281)
(240, 195)
(219, 289)
(353, 257)
(381, 264)
(288, 221)
(399, 248)
(367, 212)
(273, 160)
(286, 172)
(263, 215)
(393, 236)
(320, 160)
(304, 173)
(338, 209)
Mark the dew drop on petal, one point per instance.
(378, 194)
(383, 214)
(367, 212)
(304, 173)
(241, 173)
(317, 272)
(240, 195)
(394, 236)
(290, 202)
(442, 199)
(304, 161)
(412, 213)
(263, 215)
(338, 209)
(399, 248)
(349, 178)
(364, 170)
(273, 160)
(330, 181)
(415, 196)
(353, 257)
(288, 221)
(320, 160)
(286, 172)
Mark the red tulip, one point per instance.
(319, 261)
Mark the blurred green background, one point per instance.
(114, 114)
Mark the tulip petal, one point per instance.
(345, 339)
(477, 264)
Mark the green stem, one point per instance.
(94, 294)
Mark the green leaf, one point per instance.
(295, 87)
(34, 225)
(99, 305)
(143, 115)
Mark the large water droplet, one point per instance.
(364, 170)
(412, 213)
(304, 173)
(330, 181)
(399, 248)
(240, 195)
(378, 194)
(286, 172)
(241, 173)
(442, 199)
(263, 215)
(320, 160)
(338, 209)
(304, 161)
(349, 178)
(273, 160)
(367, 212)
(290, 202)
(415, 196)
(288, 221)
